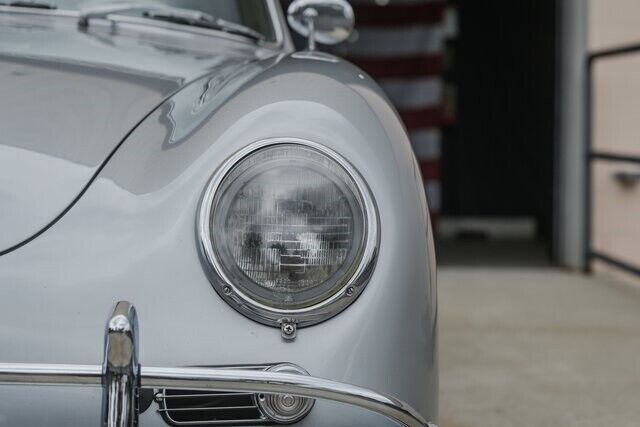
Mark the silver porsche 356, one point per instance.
(261, 207)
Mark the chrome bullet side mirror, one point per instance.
(322, 21)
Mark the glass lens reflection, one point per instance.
(288, 226)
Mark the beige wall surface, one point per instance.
(616, 104)
(613, 23)
(615, 127)
(616, 212)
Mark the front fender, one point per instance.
(132, 236)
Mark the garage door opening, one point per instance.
(498, 156)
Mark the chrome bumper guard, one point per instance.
(121, 377)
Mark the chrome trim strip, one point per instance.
(278, 26)
(221, 379)
(48, 374)
(67, 13)
(180, 396)
(318, 312)
(208, 408)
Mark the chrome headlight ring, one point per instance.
(260, 311)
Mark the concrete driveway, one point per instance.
(537, 347)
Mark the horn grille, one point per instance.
(206, 408)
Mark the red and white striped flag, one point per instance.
(401, 44)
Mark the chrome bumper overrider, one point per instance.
(121, 377)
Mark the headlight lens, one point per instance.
(288, 226)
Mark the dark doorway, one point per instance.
(498, 158)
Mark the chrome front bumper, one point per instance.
(121, 377)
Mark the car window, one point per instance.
(251, 13)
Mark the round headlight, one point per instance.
(290, 229)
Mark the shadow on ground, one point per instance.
(492, 253)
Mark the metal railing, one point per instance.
(121, 377)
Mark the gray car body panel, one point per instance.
(69, 97)
(132, 236)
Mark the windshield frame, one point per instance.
(276, 21)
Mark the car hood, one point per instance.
(68, 98)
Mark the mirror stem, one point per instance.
(310, 16)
